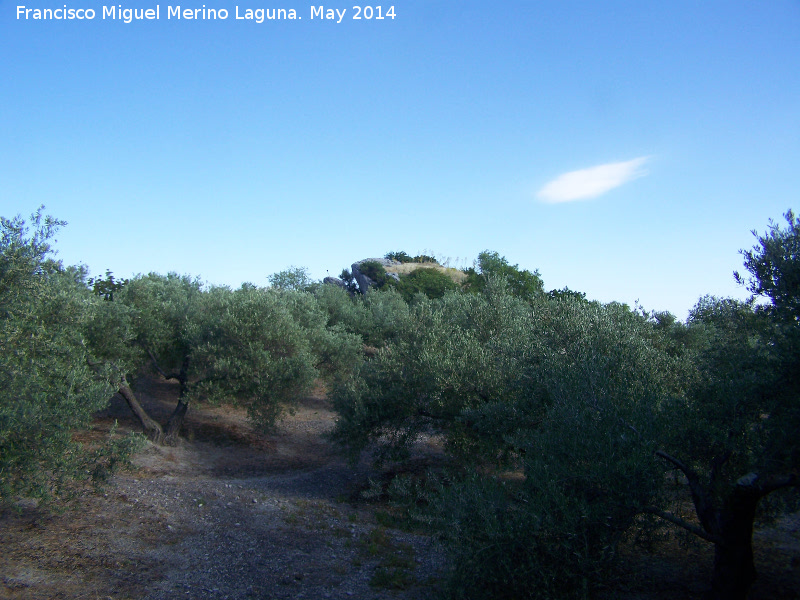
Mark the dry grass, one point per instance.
(406, 268)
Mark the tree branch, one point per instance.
(688, 471)
(632, 428)
(703, 502)
(691, 527)
(766, 485)
(158, 368)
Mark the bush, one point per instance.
(48, 388)
(431, 282)
(375, 318)
(399, 257)
(376, 272)
(491, 265)
(563, 393)
(251, 351)
(293, 278)
(336, 349)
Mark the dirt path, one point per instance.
(231, 513)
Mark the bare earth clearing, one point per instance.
(231, 513)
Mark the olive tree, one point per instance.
(376, 318)
(167, 320)
(293, 278)
(445, 357)
(250, 350)
(590, 406)
(581, 430)
(48, 387)
(550, 405)
(259, 347)
(490, 264)
(735, 436)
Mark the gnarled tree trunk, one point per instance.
(175, 422)
(727, 522)
(151, 428)
(176, 419)
(734, 569)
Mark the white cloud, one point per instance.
(592, 182)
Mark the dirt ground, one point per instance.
(231, 513)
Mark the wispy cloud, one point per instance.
(592, 182)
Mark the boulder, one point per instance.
(364, 282)
(335, 281)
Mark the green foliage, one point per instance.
(435, 366)
(376, 272)
(431, 282)
(583, 439)
(566, 394)
(343, 308)
(424, 258)
(106, 287)
(293, 278)
(402, 257)
(566, 293)
(336, 349)
(491, 265)
(113, 456)
(741, 412)
(774, 265)
(168, 320)
(252, 352)
(387, 315)
(774, 268)
(48, 388)
(731, 354)
(376, 318)
(743, 403)
(259, 347)
(349, 281)
(733, 434)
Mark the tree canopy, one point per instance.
(563, 417)
(593, 404)
(48, 387)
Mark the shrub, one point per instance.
(562, 392)
(399, 257)
(293, 278)
(48, 388)
(431, 282)
(376, 272)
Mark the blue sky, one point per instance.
(624, 149)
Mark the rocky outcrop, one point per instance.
(364, 282)
(335, 281)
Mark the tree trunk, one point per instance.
(176, 421)
(734, 569)
(151, 429)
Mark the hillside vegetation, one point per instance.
(571, 427)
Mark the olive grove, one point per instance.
(569, 416)
(570, 427)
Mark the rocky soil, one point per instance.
(231, 513)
